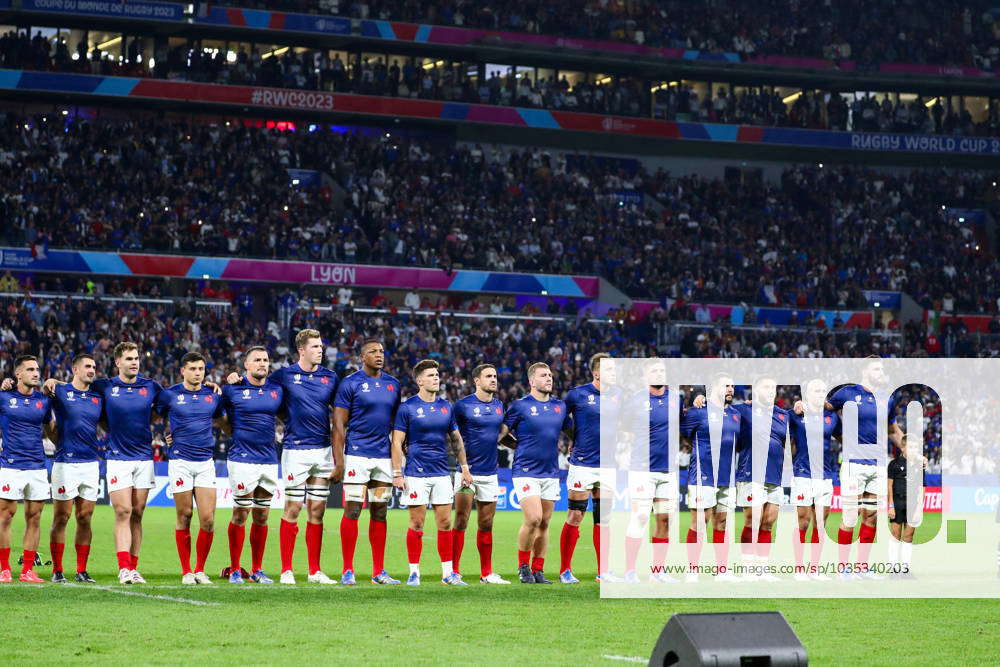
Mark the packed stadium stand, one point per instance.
(946, 33)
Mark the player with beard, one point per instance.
(584, 478)
(25, 417)
(479, 417)
(76, 474)
(307, 461)
(533, 425)
(653, 484)
(710, 473)
(252, 407)
(814, 462)
(760, 462)
(863, 469)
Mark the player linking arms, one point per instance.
(252, 407)
(307, 456)
(190, 409)
(25, 415)
(76, 472)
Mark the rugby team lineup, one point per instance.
(359, 431)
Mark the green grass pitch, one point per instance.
(551, 625)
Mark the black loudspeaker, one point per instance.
(752, 639)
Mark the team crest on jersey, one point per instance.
(444, 411)
(38, 405)
(274, 394)
(324, 380)
(828, 420)
(142, 392)
(391, 387)
(297, 378)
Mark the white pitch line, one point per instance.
(168, 598)
(625, 658)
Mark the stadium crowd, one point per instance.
(456, 82)
(944, 33)
(223, 189)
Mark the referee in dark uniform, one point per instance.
(901, 526)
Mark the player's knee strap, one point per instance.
(262, 503)
(663, 506)
(317, 492)
(868, 504)
(296, 493)
(578, 505)
(242, 501)
(379, 494)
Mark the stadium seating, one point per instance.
(223, 190)
(948, 33)
(403, 77)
